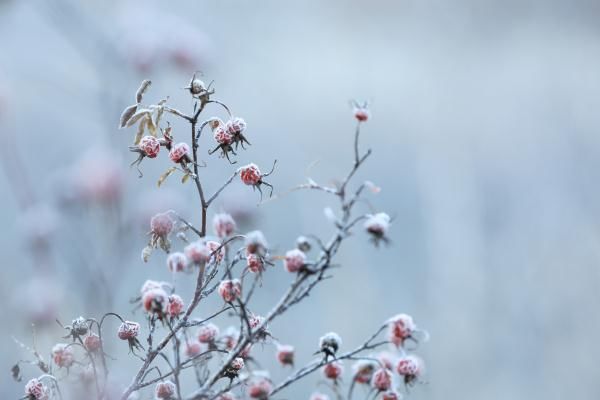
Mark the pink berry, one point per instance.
(222, 136)
(363, 371)
(36, 390)
(294, 260)
(150, 146)
(250, 174)
(333, 370)
(177, 262)
(224, 225)
(410, 367)
(197, 252)
(361, 113)
(165, 390)
(230, 290)
(254, 263)
(319, 396)
(161, 224)
(62, 355)
(285, 354)
(92, 342)
(390, 395)
(155, 301)
(208, 333)
(193, 348)
(256, 243)
(227, 396)
(179, 152)
(382, 380)
(217, 249)
(175, 305)
(378, 225)
(386, 359)
(400, 328)
(235, 126)
(260, 389)
(128, 330)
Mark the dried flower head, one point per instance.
(230, 290)
(294, 260)
(377, 226)
(330, 343)
(223, 225)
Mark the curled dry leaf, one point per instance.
(142, 89)
(164, 176)
(126, 115)
(143, 112)
(140, 132)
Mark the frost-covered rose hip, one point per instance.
(256, 243)
(63, 355)
(319, 396)
(177, 262)
(155, 301)
(193, 348)
(410, 367)
(329, 343)
(165, 390)
(230, 290)
(254, 263)
(377, 226)
(400, 328)
(227, 396)
(285, 354)
(175, 306)
(179, 153)
(196, 86)
(92, 342)
(128, 330)
(208, 333)
(217, 251)
(197, 252)
(294, 260)
(361, 111)
(223, 138)
(257, 322)
(363, 371)
(235, 127)
(333, 370)
(390, 395)
(224, 225)
(150, 146)
(382, 380)
(260, 388)
(234, 368)
(36, 390)
(250, 175)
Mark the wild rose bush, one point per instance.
(172, 344)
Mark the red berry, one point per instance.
(36, 390)
(128, 330)
(260, 389)
(222, 136)
(410, 367)
(197, 252)
(250, 174)
(285, 354)
(177, 262)
(382, 380)
(237, 364)
(230, 290)
(150, 146)
(294, 260)
(179, 152)
(165, 390)
(363, 371)
(161, 224)
(361, 113)
(92, 342)
(62, 355)
(155, 301)
(254, 263)
(223, 224)
(193, 348)
(235, 126)
(390, 395)
(319, 396)
(217, 249)
(208, 333)
(333, 370)
(175, 305)
(400, 328)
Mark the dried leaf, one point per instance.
(150, 125)
(16, 372)
(140, 132)
(164, 176)
(142, 89)
(139, 114)
(185, 178)
(159, 114)
(146, 253)
(126, 115)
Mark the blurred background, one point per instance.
(485, 137)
